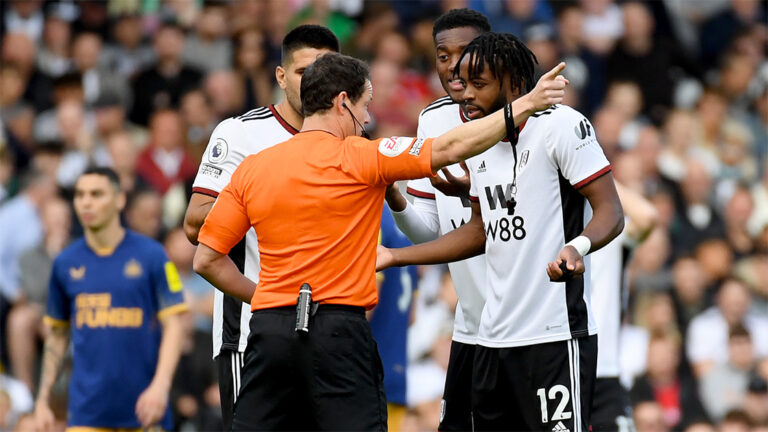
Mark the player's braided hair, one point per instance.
(504, 54)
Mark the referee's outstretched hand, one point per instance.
(574, 263)
(384, 258)
(550, 89)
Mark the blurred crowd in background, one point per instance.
(677, 91)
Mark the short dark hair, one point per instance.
(463, 17)
(308, 36)
(109, 173)
(328, 76)
(505, 54)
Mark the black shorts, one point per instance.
(611, 410)
(229, 364)
(456, 411)
(544, 387)
(329, 379)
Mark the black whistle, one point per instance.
(567, 274)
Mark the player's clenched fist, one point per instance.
(574, 265)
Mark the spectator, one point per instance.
(25, 16)
(649, 417)
(695, 219)
(25, 322)
(123, 155)
(517, 17)
(689, 290)
(78, 140)
(602, 25)
(18, 49)
(21, 229)
(736, 421)
(110, 118)
(718, 31)
(707, 337)
(144, 213)
(164, 162)
(641, 58)
(199, 121)
(208, 48)
(54, 57)
(161, 86)
(16, 113)
(225, 93)
(737, 214)
(128, 54)
(252, 67)
(724, 387)
(97, 79)
(66, 88)
(665, 383)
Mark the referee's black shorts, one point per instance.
(456, 409)
(330, 379)
(543, 387)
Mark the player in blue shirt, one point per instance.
(119, 297)
(390, 319)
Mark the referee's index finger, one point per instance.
(555, 71)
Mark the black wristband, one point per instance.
(509, 120)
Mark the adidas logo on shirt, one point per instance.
(481, 168)
(560, 427)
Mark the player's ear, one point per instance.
(121, 200)
(341, 101)
(280, 77)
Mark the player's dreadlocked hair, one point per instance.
(505, 54)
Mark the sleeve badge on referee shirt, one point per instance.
(393, 146)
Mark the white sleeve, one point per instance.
(419, 221)
(575, 149)
(225, 151)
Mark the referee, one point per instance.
(315, 202)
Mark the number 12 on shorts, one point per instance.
(558, 391)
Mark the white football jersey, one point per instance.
(608, 289)
(232, 141)
(469, 275)
(557, 153)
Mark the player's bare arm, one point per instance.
(462, 243)
(642, 216)
(607, 222)
(221, 272)
(479, 135)
(55, 348)
(395, 200)
(151, 405)
(197, 210)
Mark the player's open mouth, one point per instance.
(473, 112)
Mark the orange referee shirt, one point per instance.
(315, 202)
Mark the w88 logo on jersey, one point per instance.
(506, 228)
